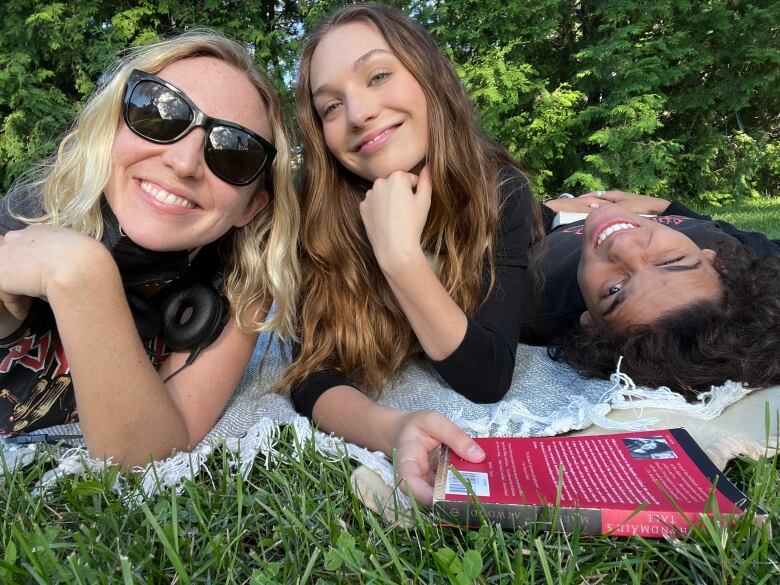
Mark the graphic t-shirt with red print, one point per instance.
(36, 389)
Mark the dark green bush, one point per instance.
(668, 98)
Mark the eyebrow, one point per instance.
(621, 296)
(359, 62)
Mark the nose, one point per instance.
(361, 109)
(627, 249)
(185, 156)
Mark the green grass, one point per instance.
(757, 215)
(299, 522)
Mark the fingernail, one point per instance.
(594, 205)
(476, 452)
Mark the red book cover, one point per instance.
(644, 483)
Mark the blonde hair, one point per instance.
(350, 321)
(260, 258)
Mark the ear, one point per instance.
(586, 321)
(710, 255)
(255, 206)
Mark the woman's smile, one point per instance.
(164, 197)
(374, 141)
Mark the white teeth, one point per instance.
(376, 138)
(163, 196)
(615, 227)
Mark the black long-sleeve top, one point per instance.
(481, 367)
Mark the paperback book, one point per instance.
(646, 483)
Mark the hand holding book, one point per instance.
(419, 436)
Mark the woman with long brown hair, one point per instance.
(415, 233)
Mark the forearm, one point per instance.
(348, 413)
(124, 408)
(436, 319)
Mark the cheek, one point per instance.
(582, 274)
(586, 279)
(420, 111)
(333, 139)
(423, 130)
(117, 164)
(124, 144)
(237, 202)
(127, 150)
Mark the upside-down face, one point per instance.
(634, 270)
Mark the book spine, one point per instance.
(589, 521)
(514, 516)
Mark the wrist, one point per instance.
(401, 261)
(349, 413)
(390, 422)
(89, 267)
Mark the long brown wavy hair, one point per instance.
(350, 321)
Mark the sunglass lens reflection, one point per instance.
(233, 154)
(158, 113)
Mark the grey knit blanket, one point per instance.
(545, 398)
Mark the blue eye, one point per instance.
(380, 77)
(614, 289)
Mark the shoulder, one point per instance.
(515, 198)
(17, 203)
(513, 185)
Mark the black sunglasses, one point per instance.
(159, 112)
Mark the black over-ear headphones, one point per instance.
(188, 318)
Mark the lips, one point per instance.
(611, 228)
(165, 197)
(373, 141)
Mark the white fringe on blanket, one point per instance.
(545, 398)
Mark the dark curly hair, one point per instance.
(698, 346)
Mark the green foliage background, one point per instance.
(676, 98)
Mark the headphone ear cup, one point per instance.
(193, 317)
(146, 317)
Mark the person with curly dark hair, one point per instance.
(688, 302)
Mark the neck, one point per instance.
(137, 265)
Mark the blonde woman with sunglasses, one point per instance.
(138, 265)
